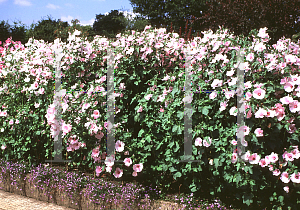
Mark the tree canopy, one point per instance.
(238, 16)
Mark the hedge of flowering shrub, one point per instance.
(150, 74)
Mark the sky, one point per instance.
(32, 11)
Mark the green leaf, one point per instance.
(180, 114)
(281, 198)
(172, 169)
(205, 111)
(174, 128)
(140, 133)
(171, 144)
(177, 174)
(177, 147)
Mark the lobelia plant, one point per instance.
(209, 149)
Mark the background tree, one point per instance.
(238, 16)
(109, 25)
(162, 13)
(242, 16)
(137, 23)
(4, 31)
(62, 31)
(18, 33)
(45, 30)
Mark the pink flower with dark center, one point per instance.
(118, 173)
(263, 163)
(254, 159)
(128, 161)
(276, 172)
(138, 167)
(259, 93)
(285, 177)
(295, 177)
(234, 157)
(294, 106)
(259, 132)
(120, 146)
(96, 114)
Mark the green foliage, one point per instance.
(239, 17)
(17, 33)
(109, 25)
(44, 30)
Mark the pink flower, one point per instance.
(254, 158)
(294, 106)
(118, 173)
(96, 152)
(273, 157)
(250, 57)
(296, 153)
(223, 106)
(148, 96)
(234, 142)
(108, 169)
(161, 110)
(205, 143)
(259, 93)
(259, 47)
(119, 146)
(234, 157)
(285, 177)
(198, 142)
(288, 156)
(271, 167)
(3, 147)
(286, 100)
(260, 113)
(243, 130)
(295, 177)
(270, 113)
(98, 169)
(288, 87)
(233, 111)
(249, 114)
(140, 109)
(276, 172)
(11, 122)
(96, 114)
(109, 161)
(138, 167)
(216, 83)
(286, 189)
(213, 95)
(263, 163)
(66, 128)
(134, 173)
(258, 132)
(122, 86)
(128, 161)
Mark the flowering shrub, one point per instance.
(153, 116)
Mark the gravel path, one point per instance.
(10, 201)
